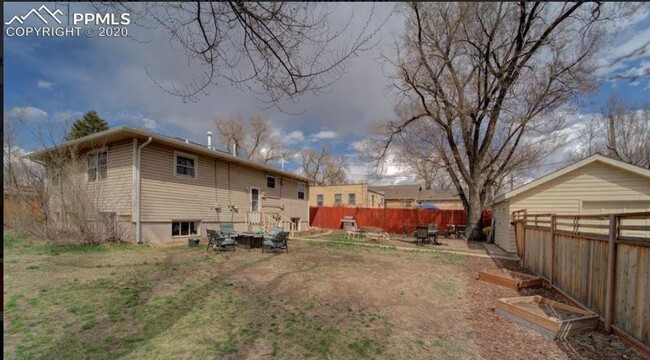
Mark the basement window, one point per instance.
(185, 228)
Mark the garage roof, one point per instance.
(586, 161)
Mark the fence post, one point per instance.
(523, 239)
(553, 224)
(611, 266)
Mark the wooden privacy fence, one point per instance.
(600, 261)
(389, 220)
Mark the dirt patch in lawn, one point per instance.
(499, 338)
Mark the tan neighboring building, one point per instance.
(399, 196)
(348, 195)
(178, 189)
(594, 185)
(443, 200)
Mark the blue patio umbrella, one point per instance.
(428, 206)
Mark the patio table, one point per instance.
(250, 240)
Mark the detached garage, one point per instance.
(594, 185)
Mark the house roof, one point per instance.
(396, 192)
(586, 161)
(437, 195)
(124, 132)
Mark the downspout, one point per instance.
(138, 227)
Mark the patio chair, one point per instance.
(352, 232)
(432, 230)
(421, 233)
(218, 241)
(228, 229)
(449, 231)
(276, 243)
(274, 231)
(461, 231)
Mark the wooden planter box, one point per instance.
(551, 318)
(511, 279)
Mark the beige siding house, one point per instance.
(348, 195)
(443, 200)
(594, 185)
(399, 196)
(184, 188)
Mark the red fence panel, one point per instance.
(389, 220)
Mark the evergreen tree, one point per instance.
(89, 124)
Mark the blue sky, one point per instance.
(58, 79)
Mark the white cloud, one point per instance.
(150, 124)
(27, 113)
(628, 45)
(324, 135)
(293, 137)
(42, 84)
(66, 115)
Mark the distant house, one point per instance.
(444, 200)
(594, 185)
(399, 196)
(348, 195)
(166, 189)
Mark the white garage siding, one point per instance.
(598, 186)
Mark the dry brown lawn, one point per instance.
(321, 300)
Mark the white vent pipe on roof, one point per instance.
(234, 149)
(209, 133)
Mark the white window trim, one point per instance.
(196, 165)
(95, 152)
(198, 228)
(275, 182)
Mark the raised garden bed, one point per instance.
(551, 318)
(511, 279)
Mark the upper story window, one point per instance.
(337, 199)
(352, 199)
(270, 182)
(372, 200)
(185, 165)
(301, 191)
(319, 200)
(97, 166)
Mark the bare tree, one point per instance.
(323, 167)
(485, 75)
(589, 141)
(276, 50)
(623, 133)
(51, 197)
(254, 139)
(627, 132)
